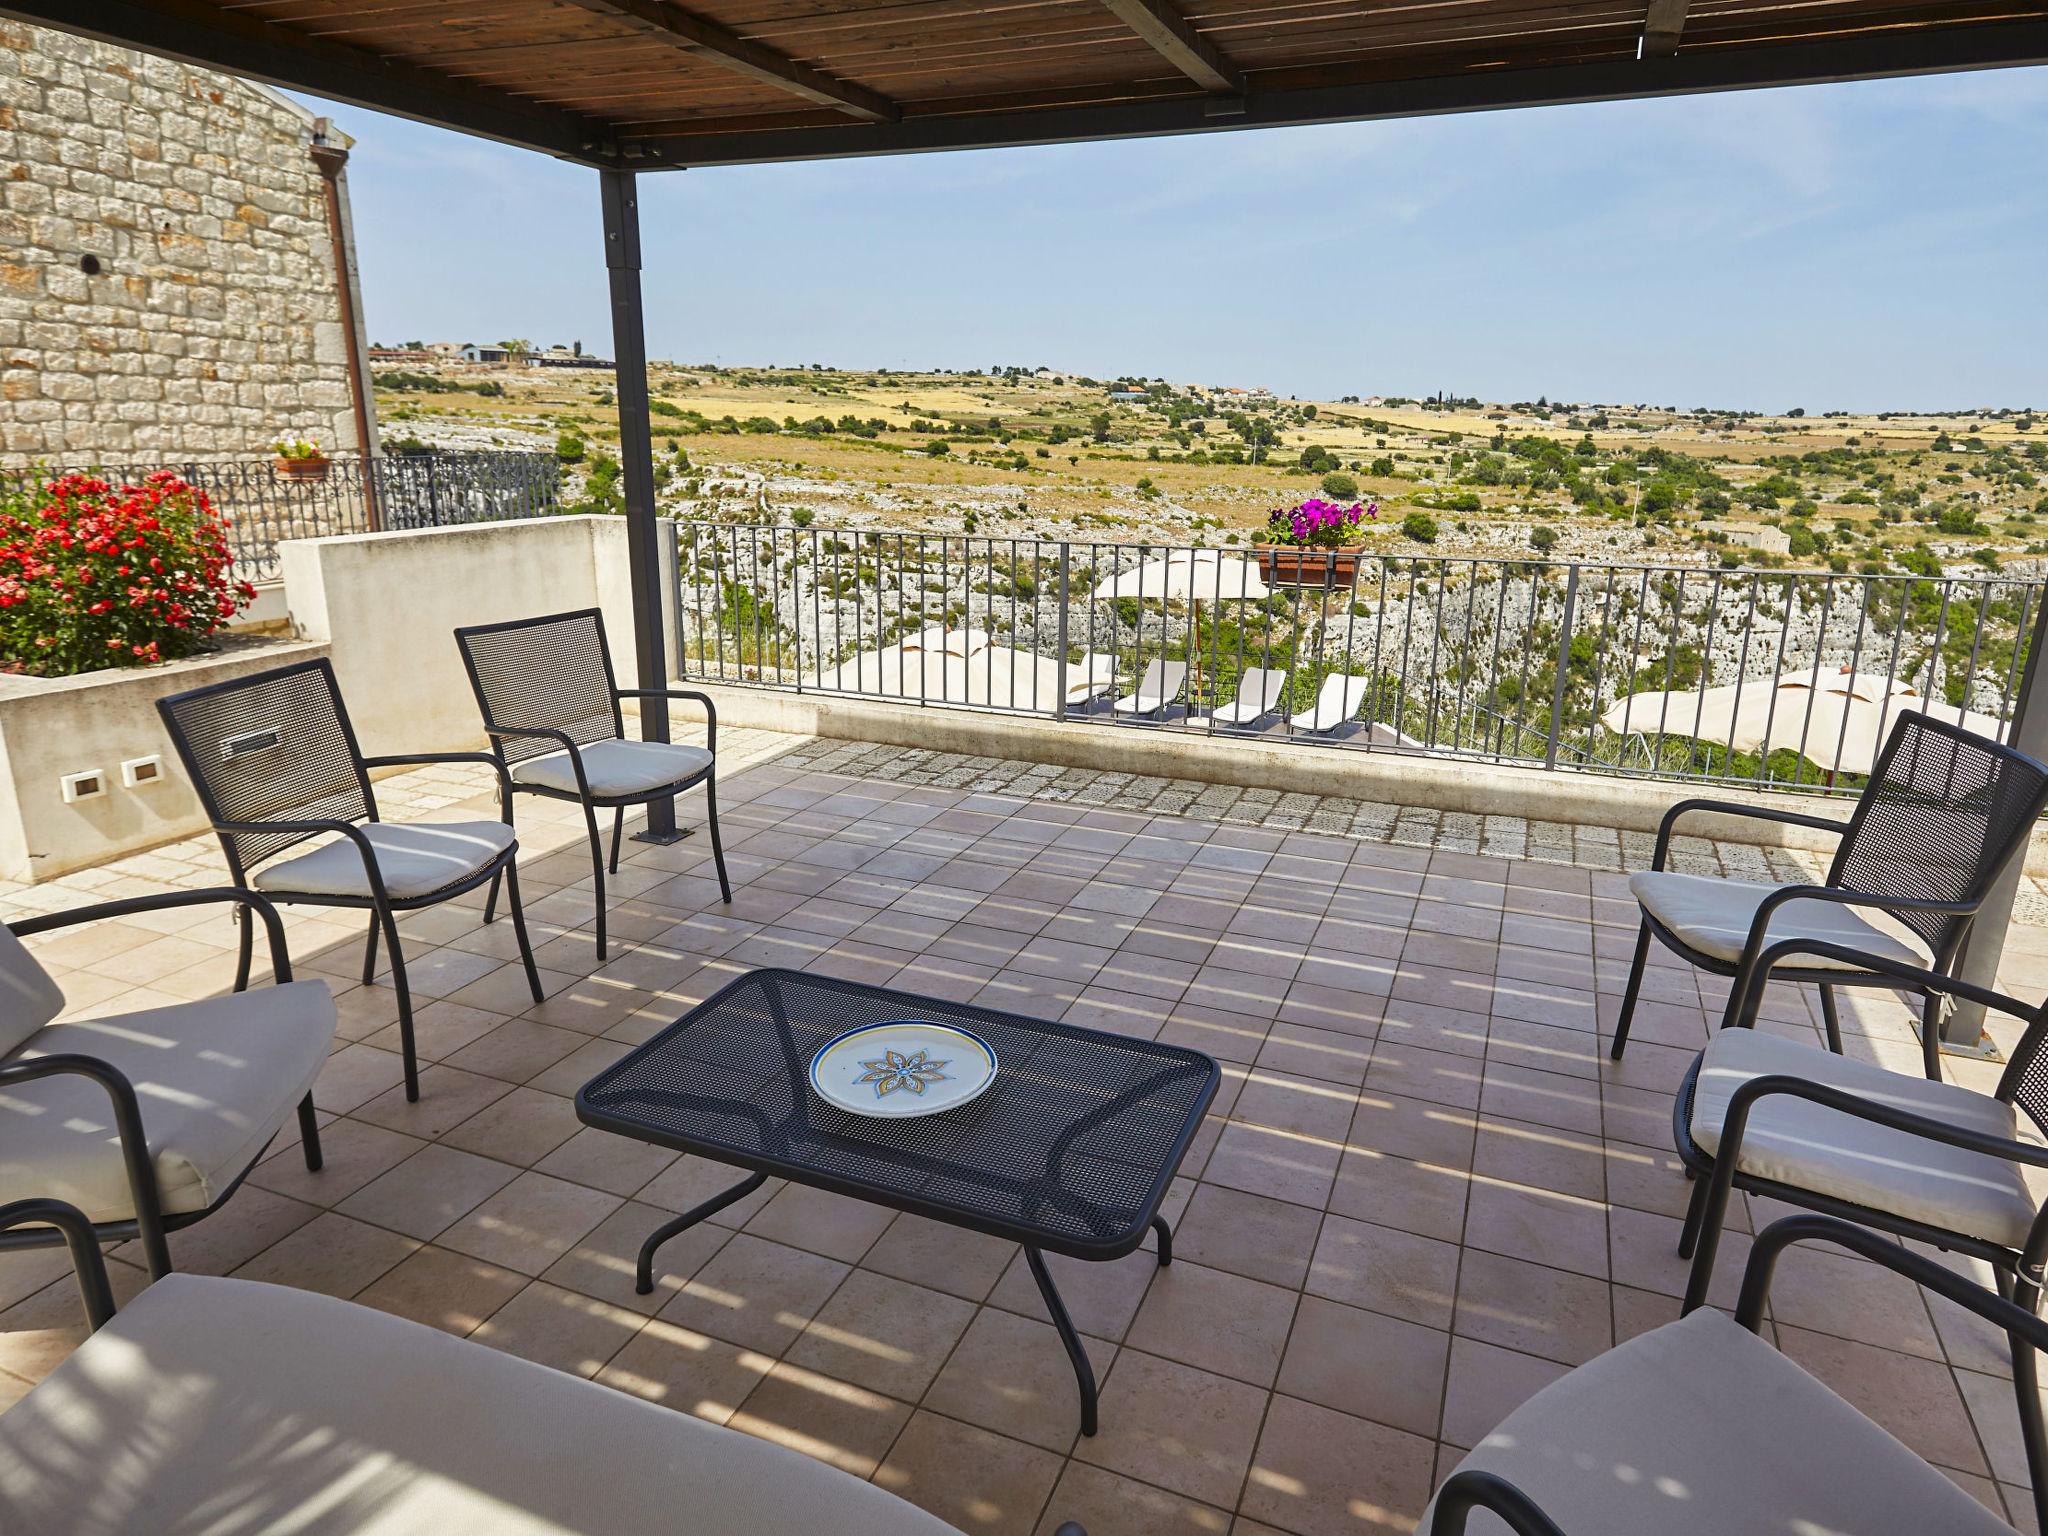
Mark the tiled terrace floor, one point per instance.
(1423, 1192)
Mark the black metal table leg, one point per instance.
(1165, 1240)
(1084, 1373)
(644, 1271)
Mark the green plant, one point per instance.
(1543, 539)
(1339, 486)
(297, 450)
(1420, 527)
(569, 448)
(95, 575)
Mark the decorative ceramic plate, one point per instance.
(903, 1067)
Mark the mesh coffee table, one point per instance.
(1069, 1151)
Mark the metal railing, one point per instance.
(1759, 677)
(264, 506)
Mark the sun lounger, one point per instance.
(1259, 693)
(1335, 704)
(1159, 687)
(1090, 678)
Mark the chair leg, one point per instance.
(2026, 1385)
(596, 871)
(1831, 1018)
(1628, 998)
(1930, 1043)
(398, 982)
(309, 1134)
(245, 947)
(1696, 1207)
(370, 948)
(511, 873)
(618, 831)
(491, 901)
(1713, 1214)
(717, 847)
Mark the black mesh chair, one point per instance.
(1915, 1157)
(550, 703)
(1702, 1428)
(1943, 812)
(275, 762)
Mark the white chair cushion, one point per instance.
(1713, 916)
(29, 995)
(1798, 1142)
(215, 1080)
(416, 858)
(615, 767)
(214, 1405)
(1700, 1428)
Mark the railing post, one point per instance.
(1564, 660)
(1059, 703)
(433, 495)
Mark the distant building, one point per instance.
(472, 353)
(1770, 541)
(567, 357)
(1128, 394)
(403, 355)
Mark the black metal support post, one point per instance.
(636, 462)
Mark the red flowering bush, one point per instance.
(94, 575)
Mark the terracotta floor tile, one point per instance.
(1176, 1427)
(602, 1263)
(429, 1192)
(1367, 1365)
(520, 1128)
(517, 1050)
(330, 1254)
(974, 1480)
(559, 1328)
(1101, 1299)
(690, 1372)
(354, 1153)
(1486, 1384)
(1560, 1230)
(943, 1257)
(530, 1223)
(618, 1165)
(1383, 1270)
(1011, 1375)
(1324, 1473)
(691, 1180)
(883, 1334)
(1280, 1164)
(447, 1098)
(832, 1421)
(1394, 1192)
(1917, 1400)
(834, 1225)
(1252, 1235)
(755, 1293)
(1414, 1128)
(1215, 1320)
(1529, 1307)
(444, 1290)
(1102, 1501)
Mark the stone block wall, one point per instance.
(212, 323)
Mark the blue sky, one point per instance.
(1854, 247)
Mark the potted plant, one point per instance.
(1314, 543)
(299, 458)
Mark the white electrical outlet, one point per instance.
(141, 772)
(89, 785)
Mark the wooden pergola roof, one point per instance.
(647, 84)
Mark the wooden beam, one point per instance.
(1159, 24)
(1662, 28)
(702, 39)
(202, 34)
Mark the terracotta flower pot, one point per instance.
(1292, 565)
(302, 469)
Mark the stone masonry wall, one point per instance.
(213, 323)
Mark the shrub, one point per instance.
(1420, 527)
(94, 575)
(569, 448)
(938, 448)
(1340, 487)
(1543, 539)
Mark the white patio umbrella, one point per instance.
(1191, 575)
(1837, 720)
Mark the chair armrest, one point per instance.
(280, 957)
(1669, 824)
(128, 1132)
(568, 745)
(2036, 1015)
(87, 1262)
(710, 709)
(408, 759)
(1782, 1084)
(2006, 1316)
(1464, 1492)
